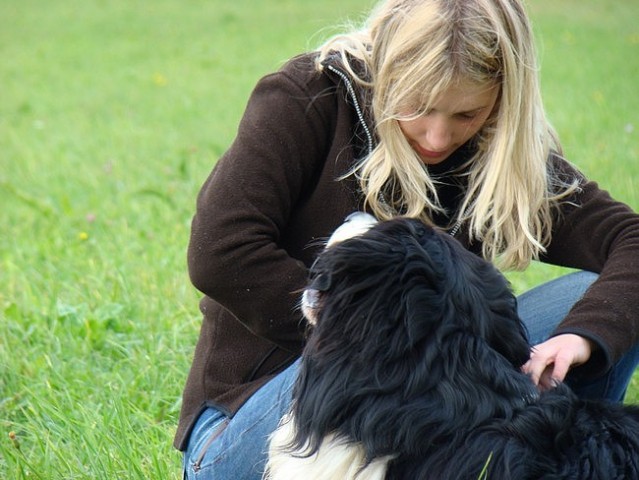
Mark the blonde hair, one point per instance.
(412, 51)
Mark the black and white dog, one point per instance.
(412, 371)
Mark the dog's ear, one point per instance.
(477, 296)
(493, 307)
(507, 334)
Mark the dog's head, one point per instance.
(412, 338)
(356, 224)
(401, 281)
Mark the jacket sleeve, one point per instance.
(235, 254)
(596, 233)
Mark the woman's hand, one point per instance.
(550, 361)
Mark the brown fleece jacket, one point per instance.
(276, 194)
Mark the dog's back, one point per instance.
(557, 437)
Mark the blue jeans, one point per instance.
(223, 449)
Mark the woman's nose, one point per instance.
(438, 134)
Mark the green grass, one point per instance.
(112, 113)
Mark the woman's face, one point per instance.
(454, 118)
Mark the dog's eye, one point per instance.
(321, 282)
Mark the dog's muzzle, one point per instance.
(311, 303)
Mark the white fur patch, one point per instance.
(355, 224)
(334, 460)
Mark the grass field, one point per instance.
(112, 113)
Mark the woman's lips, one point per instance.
(428, 153)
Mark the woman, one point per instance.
(432, 111)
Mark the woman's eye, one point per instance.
(468, 115)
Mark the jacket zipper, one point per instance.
(358, 108)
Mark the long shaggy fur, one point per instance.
(412, 371)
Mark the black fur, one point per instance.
(417, 353)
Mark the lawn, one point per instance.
(112, 113)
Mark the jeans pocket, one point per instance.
(208, 428)
(215, 433)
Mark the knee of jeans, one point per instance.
(545, 306)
